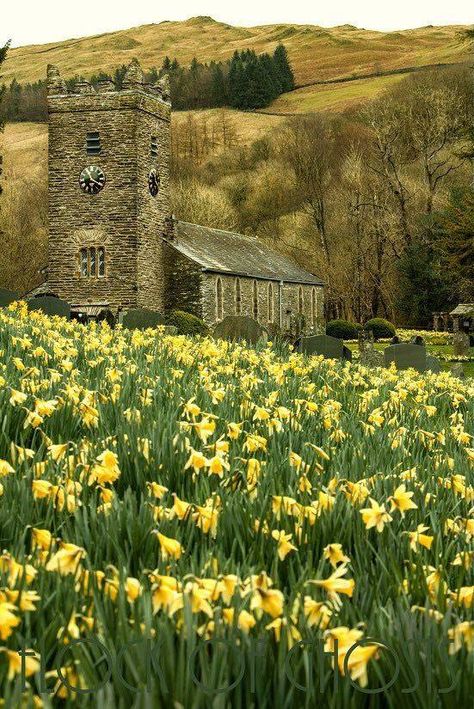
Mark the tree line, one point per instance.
(247, 81)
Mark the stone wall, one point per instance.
(285, 300)
(123, 218)
(182, 283)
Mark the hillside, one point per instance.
(316, 53)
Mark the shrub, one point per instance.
(380, 328)
(186, 323)
(342, 329)
(141, 319)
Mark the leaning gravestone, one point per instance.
(329, 347)
(239, 327)
(141, 319)
(50, 305)
(7, 297)
(405, 356)
(461, 343)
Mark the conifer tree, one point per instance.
(283, 68)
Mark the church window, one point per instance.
(92, 262)
(313, 306)
(154, 146)
(300, 301)
(271, 314)
(84, 263)
(93, 143)
(255, 300)
(101, 261)
(219, 300)
(238, 297)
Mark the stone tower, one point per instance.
(108, 191)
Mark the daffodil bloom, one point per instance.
(270, 601)
(419, 537)
(41, 489)
(463, 596)
(284, 543)
(67, 560)
(375, 516)
(133, 589)
(358, 657)
(5, 468)
(15, 663)
(196, 461)
(245, 620)
(317, 613)
(58, 451)
(401, 500)
(169, 547)
(461, 635)
(277, 625)
(8, 619)
(157, 490)
(41, 538)
(106, 470)
(335, 584)
(334, 554)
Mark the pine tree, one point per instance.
(283, 68)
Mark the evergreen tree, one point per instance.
(283, 68)
(454, 231)
(424, 286)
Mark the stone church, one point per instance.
(113, 242)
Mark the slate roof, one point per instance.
(463, 309)
(229, 253)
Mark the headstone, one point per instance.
(433, 364)
(461, 343)
(329, 347)
(417, 340)
(141, 319)
(406, 355)
(457, 370)
(369, 356)
(50, 305)
(7, 297)
(239, 327)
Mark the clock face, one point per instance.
(153, 183)
(92, 179)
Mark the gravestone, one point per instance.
(239, 327)
(417, 340)
(140, 319)
(457, 370)
(329, 347)
(433, 364)
(50, 305)
(7, 297)
(406, 355)
(461, 343)
(369, 356)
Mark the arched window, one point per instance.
(238, 297)
(255, 300)
(219, 300)
(314, 307)
(271, 313)
(300, 301)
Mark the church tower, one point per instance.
(108, 191)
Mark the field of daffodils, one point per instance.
(193, 523)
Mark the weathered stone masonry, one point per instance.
(148, 258)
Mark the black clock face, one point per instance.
(92, 179)
(153, 183)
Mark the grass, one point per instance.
(316, 53)
(182, 490)
(332, 97)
